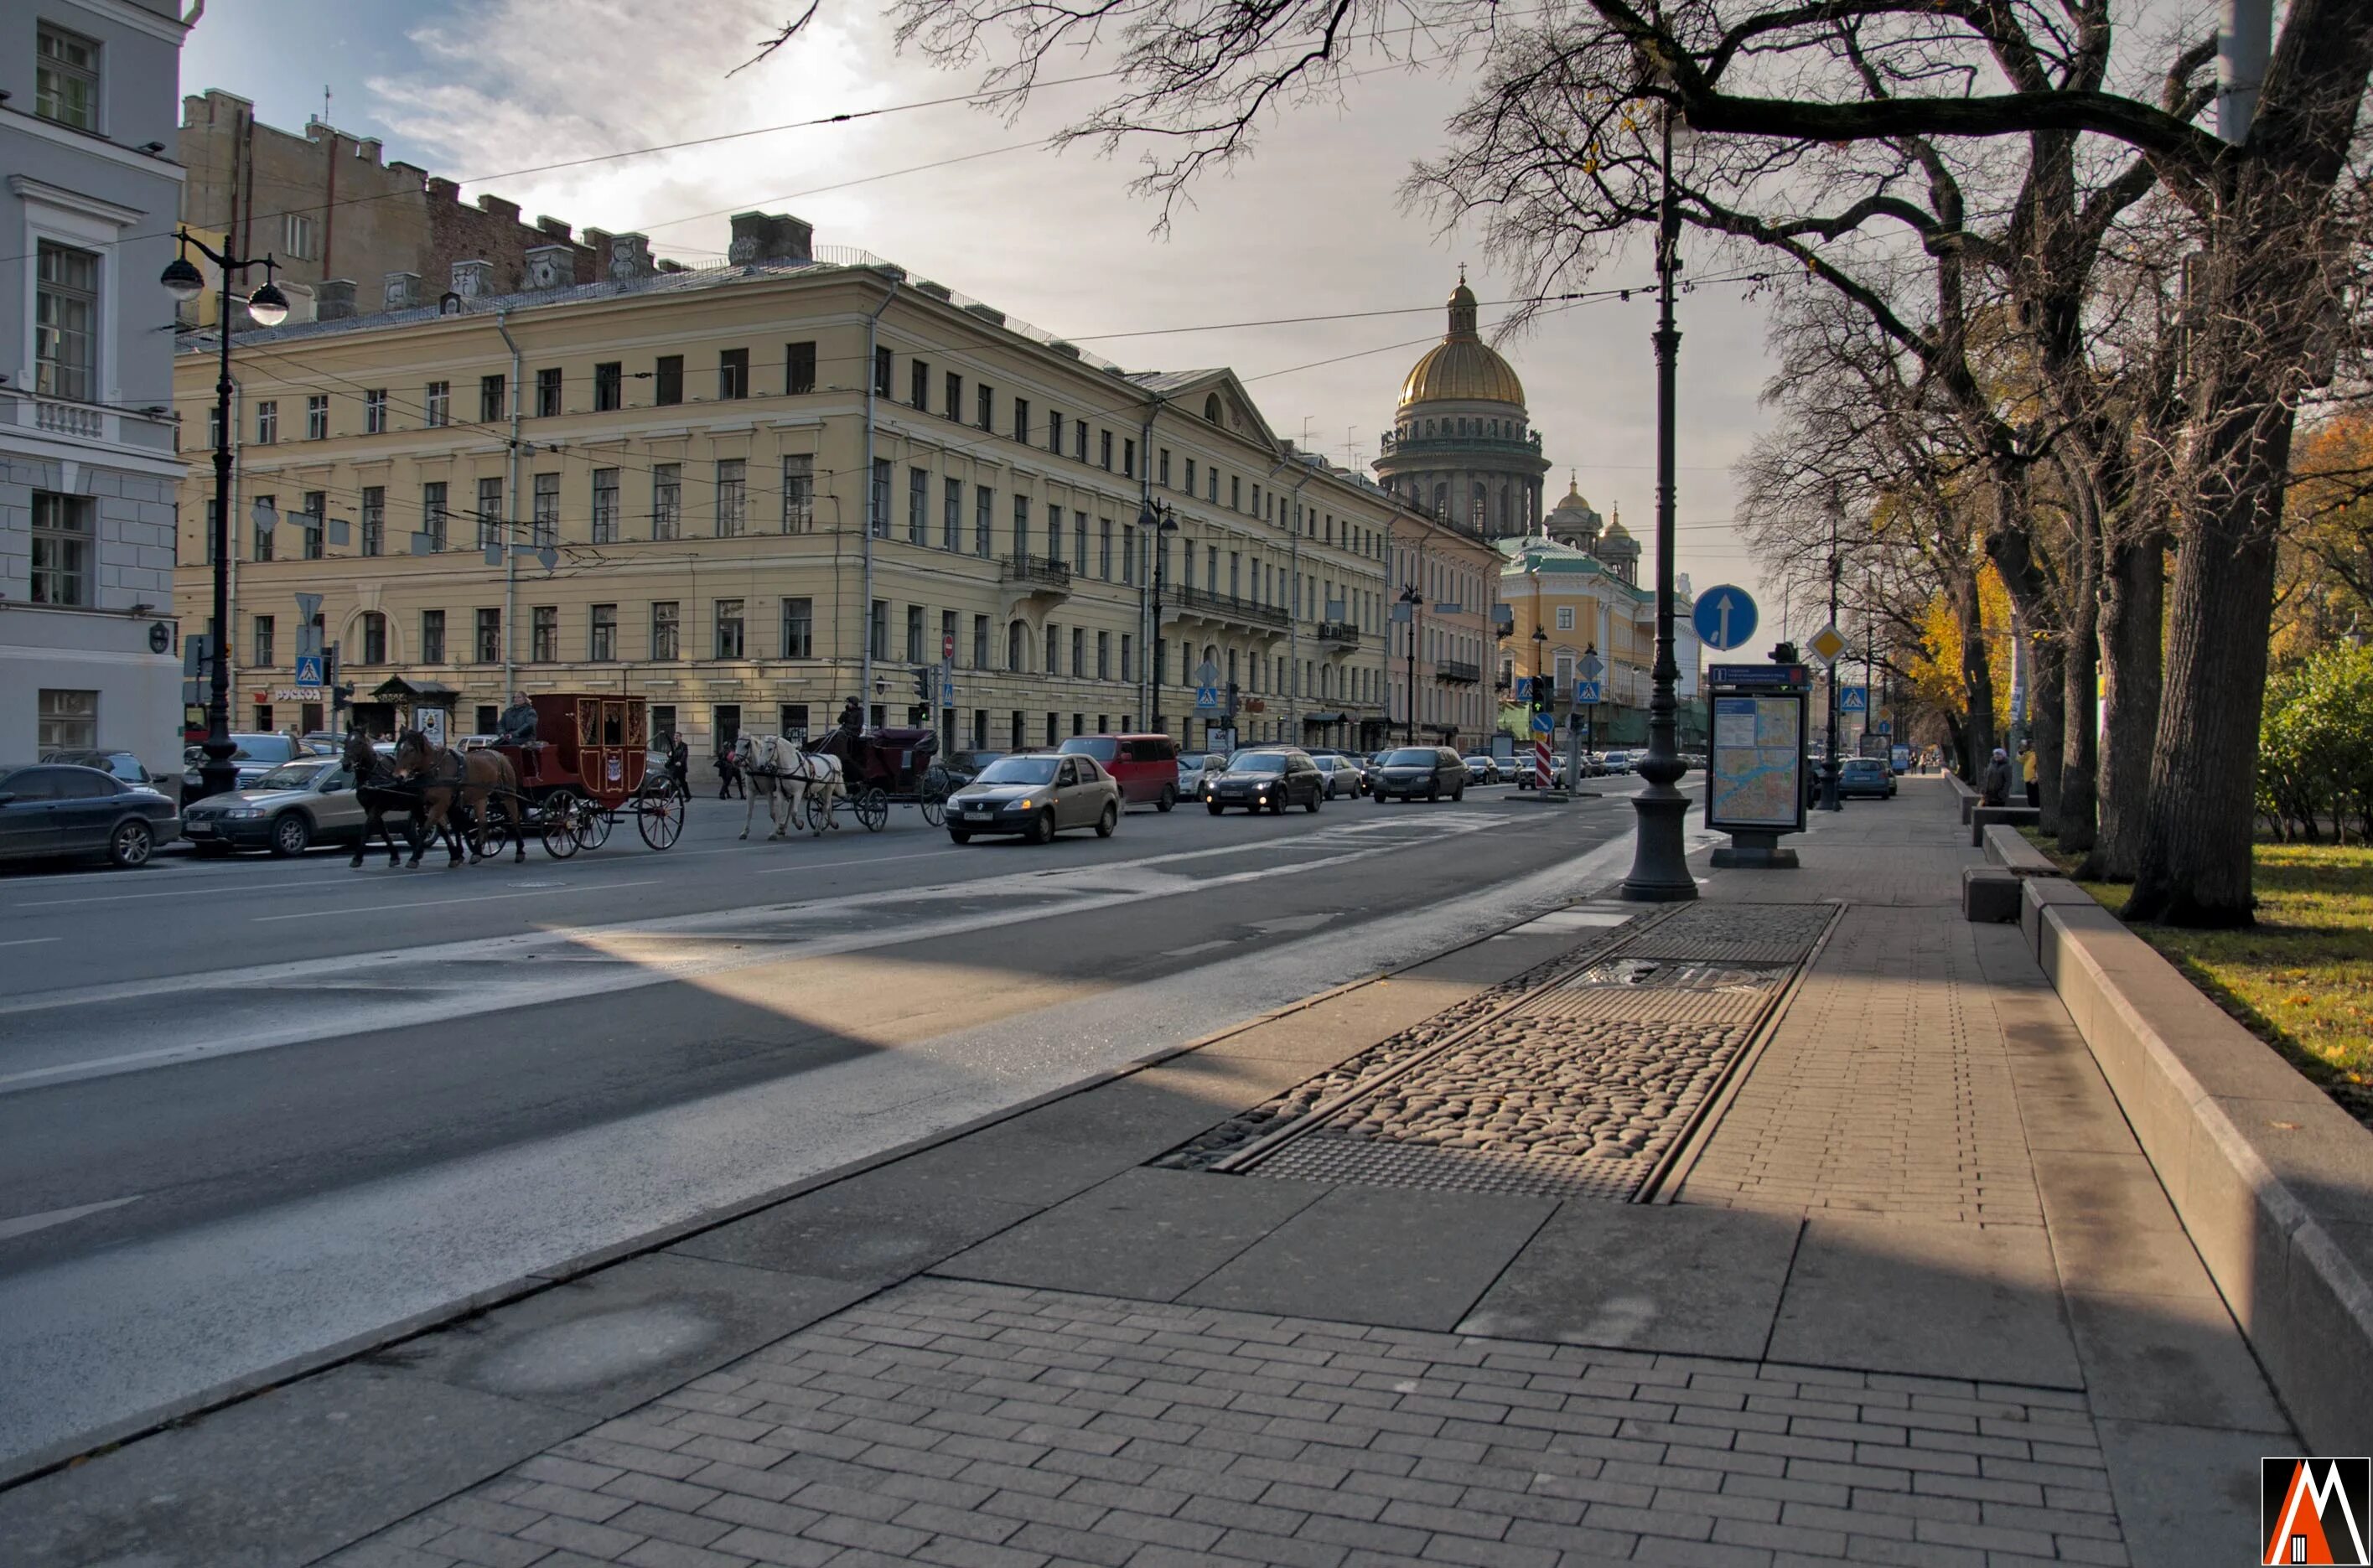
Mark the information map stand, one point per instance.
(1755, 772)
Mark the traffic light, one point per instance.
(923, 685)
(341, 697)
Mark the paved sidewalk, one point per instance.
(1915, 1297)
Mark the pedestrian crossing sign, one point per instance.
(309, 669)
(1854, 699)
(1206, 699)
(1586, 692)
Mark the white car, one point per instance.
(1192, 766)
(1619, 761)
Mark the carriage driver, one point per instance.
(518, 726)
(852, 721)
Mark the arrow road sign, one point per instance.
(1725, 617)
(1207, 698)
(1544, 723)
(1586, 692)
(310, 672)
(1854, 699)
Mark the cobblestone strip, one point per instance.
(1886, 1089)
(980, 1426)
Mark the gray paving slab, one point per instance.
(1146, 1234)
(1931, 1300)
(1061, 1150)
(280, 1479)
(609, 1340)
(1694, 1282)
(2186, 1494)
(2167, 1358)
(872, 1229)
(1396, 1257)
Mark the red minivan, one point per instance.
(1145, 765)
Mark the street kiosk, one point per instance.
(1755, 768)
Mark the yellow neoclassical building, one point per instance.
(752, 491)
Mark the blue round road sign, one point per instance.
(1725, 617)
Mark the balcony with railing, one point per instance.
(1341, 633)
(1458, 671)
(1038, 573)
(1229, 607)
(1527, 444)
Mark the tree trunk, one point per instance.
(2132, 603)
(1977, 731)
(2046, 723)
(2079, 750)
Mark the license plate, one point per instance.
(979, 814)
(198, 829)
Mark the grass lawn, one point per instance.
(2302, 978)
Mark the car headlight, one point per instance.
(245, 812)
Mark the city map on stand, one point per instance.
(1754, 780)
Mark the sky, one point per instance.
(1310, 225)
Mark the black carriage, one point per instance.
(891, 767)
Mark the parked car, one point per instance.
(286, 810)
(964, 767)
(49, 809)
(1036, 795)
(122, 766)
(1267, 777)
(1344, 775)
(1482, 767)
(1422, 773)
(1194, 767)
(1866, 776)
(1145, 767)
(254, 756)
(1618, 762)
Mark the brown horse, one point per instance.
(379, 791)
(478, 779)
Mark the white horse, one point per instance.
(788, 773)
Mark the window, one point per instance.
(1128, 456)
(799, 494)
(374, 637)
(980, 642)
(954, 406)
(543, 634)
(1016, 642)
(65, 78)
(601, 642)
(732, 374)
(1235, 493)
(1021, 527)
(375, 412)
(1055, 533)
(62, 544)
(609, 386)
(546, 530)
(547, 393)
(432, 637)
(732, 496)
(490, 637)
(799, 368)
(265, 507)
(374, 520)
(1565, 617)
(918, 385)
(1190, 475)
(1103, 548)
(1080, 542)
(799, 628)
(667, 500)
(952, 516)
(1127, 657)
(1161, 467)
(877, 506)
(317, 418)
(728, 628)
(668, 379)
(605, 505)
(983, 511)
(490, 398)
(882, 372)
(918, 504)
(439, 402)
(1080, 440)
(795, 718)
(1055, 430)
(878, 628)
(296, 234)
(1054, 651)
(65, 322)
(1021, 420)
(1105, 441)
(432, 513)
(490, 512)
(986, 401)
(1211, 485)
(664, 644)
(1104, 654)
(914, 634)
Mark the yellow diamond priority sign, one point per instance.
(1827, 644)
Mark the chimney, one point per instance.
(630, 257)
(551, 266)
(367, 149)
(333, 300)
(553, 227)
(403, 292)
(770, 237)
(495, 206)
(443, 189)
(472, 279)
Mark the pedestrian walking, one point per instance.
(678, 763)
(1995, 786)
(729, 776)
(2027, 772)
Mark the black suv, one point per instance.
(1413, 773)
(1274, 778)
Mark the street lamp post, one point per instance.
(1829, 802)
(267, 308)
(1416, 602)
(1158, 524)
(1660, 868)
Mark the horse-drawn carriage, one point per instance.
(887, 767)
(585, 768)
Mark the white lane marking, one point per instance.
(859, 860)
(31, 940)
(433, 903)
(26, 1224)
(1190, 951)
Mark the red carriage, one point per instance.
(586, 767)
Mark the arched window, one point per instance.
(1016, 639)
(1212, 408)
(374, 637)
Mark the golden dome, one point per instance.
(1575, 501)
(1462, 367)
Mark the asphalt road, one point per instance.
(251, 1110)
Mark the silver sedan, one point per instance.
(1036, 795)
(294, 806)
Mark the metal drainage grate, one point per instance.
(1328, 1157)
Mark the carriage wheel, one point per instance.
(812, 807)
(559, 820)
(873, 809)
(661, 820)
(594, 821)
(933, 796)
